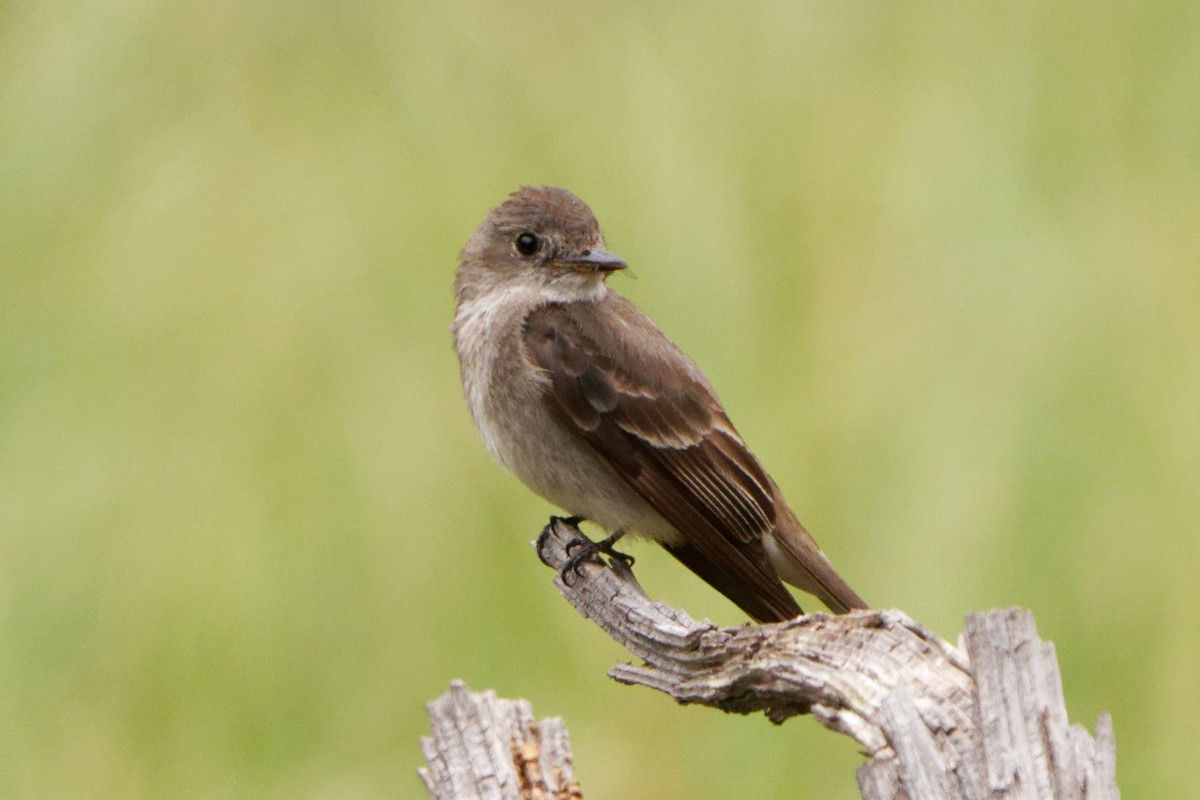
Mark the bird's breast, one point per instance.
(499, 384)
(506, 395)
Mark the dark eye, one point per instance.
(528, 243)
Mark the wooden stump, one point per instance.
(983, 722)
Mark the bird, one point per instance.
(581, 396)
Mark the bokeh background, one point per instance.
(942, 263)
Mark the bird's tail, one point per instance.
(802, 564)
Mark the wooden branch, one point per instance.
(936, 721)
(488, 747)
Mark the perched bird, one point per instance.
(581, 396)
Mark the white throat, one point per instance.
(574, 288)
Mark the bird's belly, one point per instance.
(563, 468)
(508, 403)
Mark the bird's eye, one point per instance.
(528, 243)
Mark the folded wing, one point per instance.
(637, 399)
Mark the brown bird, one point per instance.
(581, 396)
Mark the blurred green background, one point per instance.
(942, 263)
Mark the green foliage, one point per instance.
(940, 261)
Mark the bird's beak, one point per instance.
(597, 259)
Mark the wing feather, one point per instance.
(646, 409)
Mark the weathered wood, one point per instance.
(490, 748)
(1029, 746)
(983, 722)
(937, 721)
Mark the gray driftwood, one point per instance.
(985, 720)
(488, 747)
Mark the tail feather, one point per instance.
(802, 564)
(773, 606)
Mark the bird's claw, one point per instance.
(588, 551)
(540, 545)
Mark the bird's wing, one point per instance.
(640, 402)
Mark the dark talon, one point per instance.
(573, 521)
(588, 552)
(541, 542)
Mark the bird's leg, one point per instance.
(587, 551)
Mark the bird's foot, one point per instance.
(540, 546)
(588, 551)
